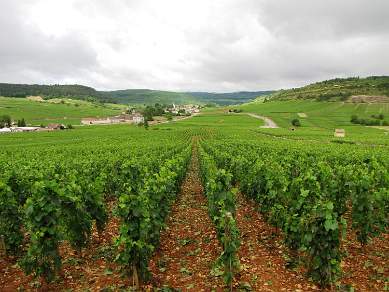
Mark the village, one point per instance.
(135, 116)
(131, 116)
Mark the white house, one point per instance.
(340, 133)
(138, 119)
(5, 130)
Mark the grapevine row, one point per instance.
(222, 210)
(307, 196)
(42, 206)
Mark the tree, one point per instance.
(354, 119)
(296, 122)
(146, 124)
(158, 109)
(148, 113)
(169, 117)
(5, 121)
(21, 123)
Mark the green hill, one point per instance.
(228, 98)
(340, 89)
(127, 96)
(319, 119)
(147, 96)
(80, 92)
(46, 112)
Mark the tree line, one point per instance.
(6, 121)
(52, 91)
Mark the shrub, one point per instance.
(354, 119)
(169, 117)
(296, 122)
(378, 117)
(21, 123)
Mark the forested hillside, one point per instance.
(49, 91)
(339, 89)
(127, 96)
(229, 98)
(147, 96)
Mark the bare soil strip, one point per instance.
(262, 254)
(366, 268)
(189, 245)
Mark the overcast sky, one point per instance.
(192, 45)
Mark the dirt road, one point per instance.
(269, 123)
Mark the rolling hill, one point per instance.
(354, 89)
(67, 111)
(127, 96)
(319, 119)
(79, 92)
(147, 96)
(228, 98)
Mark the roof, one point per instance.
(55, 125)
(95, 119)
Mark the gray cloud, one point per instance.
(322, 20)
(28, 55)
(220, 45)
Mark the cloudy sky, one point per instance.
(213, 45)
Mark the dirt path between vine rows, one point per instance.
(262, 254)
(263, 258)
(189, 245)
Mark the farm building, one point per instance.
(95, 121)
(5, 130)
(56, 126)
(340, 133)
(19, 129)
(138, 119)
(123, 118)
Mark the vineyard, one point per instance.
(191, 207)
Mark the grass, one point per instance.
(322, 118)
(219, 118)
(68, 112)
(318, 127)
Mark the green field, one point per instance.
(70, 112)
(57, 188)
(318, 125)
(322, 118)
